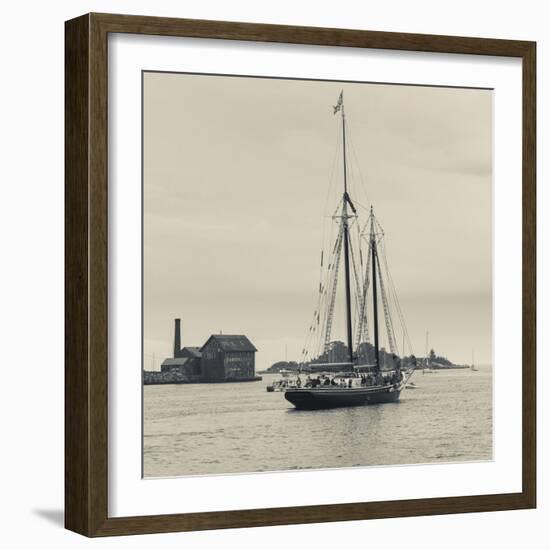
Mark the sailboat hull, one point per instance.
(329, 398)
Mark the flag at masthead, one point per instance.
(340, 103)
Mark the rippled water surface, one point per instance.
(225, 428)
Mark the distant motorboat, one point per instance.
(281, 385)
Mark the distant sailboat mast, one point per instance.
(425, 364)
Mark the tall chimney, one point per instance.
(177, 337)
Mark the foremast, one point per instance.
(346, 201)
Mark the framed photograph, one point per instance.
(300, 274)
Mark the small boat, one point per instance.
(359, 384)
(281, 385)
(411, 386)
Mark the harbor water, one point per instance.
(193, 429)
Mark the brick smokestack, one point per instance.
(177, 337)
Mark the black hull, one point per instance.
(329, 398)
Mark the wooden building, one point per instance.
(228, 358)
(223, 358)
(182, 365)
(187, 360)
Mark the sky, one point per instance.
(242, 174)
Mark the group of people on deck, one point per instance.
(391, 378)
(363, 380)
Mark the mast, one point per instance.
(346, 200)
(427, 348)
(374, 292)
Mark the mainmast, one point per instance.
(346, 200)
(374, 291)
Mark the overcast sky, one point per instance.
(238, 187)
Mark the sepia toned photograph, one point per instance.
(317, 274)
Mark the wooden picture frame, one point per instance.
(86, 283)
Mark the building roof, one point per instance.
(175, 361)
(231, 342)
(194, 351)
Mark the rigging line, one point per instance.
(403, 323)
(357, 285)
(359, 246)
(313, 332)
(334, 159)
(333, 290)
(360, 297)
(323, 282)
(359, 262)
(395, 296)
(362, 207)
(363, 324)
(312, 326)
(326, 282)
(332, 295)
(387, 316)
(329, 276)
(309, 335)
(397, 302)
(361, 178)
(311, 341)
(310, 332)
(331, 183)
(315, 343)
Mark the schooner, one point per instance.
(369, 374)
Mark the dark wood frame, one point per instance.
(87, 286)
